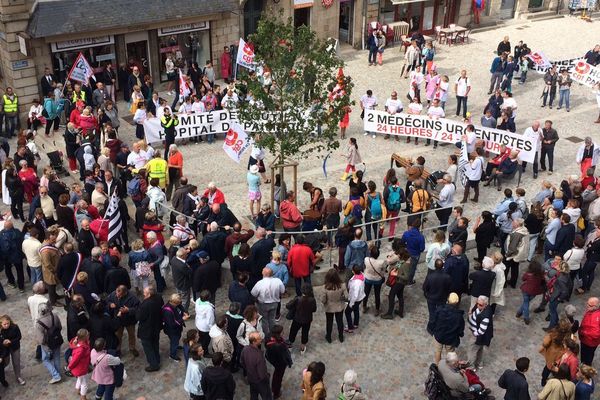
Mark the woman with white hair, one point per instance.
(482, 280)
(497, 297)
(350, 389)
(182, 231)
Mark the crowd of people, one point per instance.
(177, 252)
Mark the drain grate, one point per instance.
(574, 139)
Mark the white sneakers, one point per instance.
(54, 380)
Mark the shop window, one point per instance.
(185, 48)
(97, 56)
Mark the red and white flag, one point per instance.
(81, 70)
(184, 89)
(245, 55)
(236, 142)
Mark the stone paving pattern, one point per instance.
(390, 357)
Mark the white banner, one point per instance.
(245, 55)
(236, 142)
(586, 74)
(569, 65)
(539, 59)
(446, 130)
(190, 125)
(81, 70)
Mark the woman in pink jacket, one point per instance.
(103, 374)
(80, 360)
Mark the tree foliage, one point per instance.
(303, 115)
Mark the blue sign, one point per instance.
(21, 64)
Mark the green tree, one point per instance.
(303, 114)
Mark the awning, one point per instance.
(398, 2)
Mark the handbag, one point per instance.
(392, 278)
(291, 306)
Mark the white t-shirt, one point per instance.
(417, 77)
(137, 160)
(512, 103)
(473, 170)
(368, 102)
(534, 135)
(436, 112)
(415, 108)
(462, 84)
(393, 106)
(198, 107)
(471, 140)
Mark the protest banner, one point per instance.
(569, 65)
(236, 142)
(81, 71)
(245, 55)
(539, 59)
(586, 74)
(190, 125)
(447, 131)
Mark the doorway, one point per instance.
(252, 11)
(346, 20)
(302, 17)
(507, 9)
(136, 46)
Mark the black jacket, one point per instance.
(85, 242)
(173, 319)
(304, 307)
(149, 316)
(103, 326)
(458, 235)
(515, 384)
(448, 325)
(77, 318)
(278, 354)
(564, 240)
(261, 251)
(130, 301)
(458, 269)
(214, 244)
(116, 277)
(436, 287)
(207, 277)
(481, 284)
(486, 233)
(13, 333)
(217, 384)
(240, 294)
(96, 274)
(182, 274)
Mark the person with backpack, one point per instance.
(558, 290)
(420, 201)
(355, 206)
(393, 196)
(80, 360)
(48, 335)
(375, 211)
(137, 186)
(174, 317)
(350, 390)
(397, 279)
(106, 373)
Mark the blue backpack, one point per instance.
(375, 207)
(394, 200)
(356, 209)
(133, 186)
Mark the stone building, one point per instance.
(39, 34)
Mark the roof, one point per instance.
(60, 17)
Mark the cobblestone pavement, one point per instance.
(390, 357)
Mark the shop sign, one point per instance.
(82, 43)
(303, 3)
(170, 49)
(21, 64)
(105, 57)
(172, 30)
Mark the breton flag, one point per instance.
(463, 162)
(81, 70)
(115, 224)
(184, 89)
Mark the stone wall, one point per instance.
(224, 32)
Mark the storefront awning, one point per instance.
(62, 17)
(398, 2)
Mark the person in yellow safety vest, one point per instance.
(78, 94)
(10, 107)
(158, 168)
(168, 123)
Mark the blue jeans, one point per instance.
(210, 138)
(298, 284)
(106, 391)
(461, 102)
(413, 268)
(533, 239)
(51, 360)
(36, 274)
(173, 343)
(553, 309)
(372, 55)
(547, 247)
(524, 309)
(374, 226)
(564, 95)
(523, 76)
(11, 125)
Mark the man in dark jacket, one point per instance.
(214, 243)
(448, 326)
(482, 280)
(116, 276)
(149, 316)
(86, 240)
(459, 233)
(122, 306)
(217, 382)
(11, 241)
(95, 270)
(436, 289)
(564, 236)
(182, 276)
(457, 266)
(179, 195)
(415, 244)
(77, 317)
(261, 249)
(238, 291)
(515, 382)
(207, 276)
(549, 139)
(278, 354)
(238, 236)
(253, 362)
(68, 267)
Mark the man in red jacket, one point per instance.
(589, 330)
(301, 262)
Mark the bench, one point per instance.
(403, 162)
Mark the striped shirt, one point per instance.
(478, 329)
